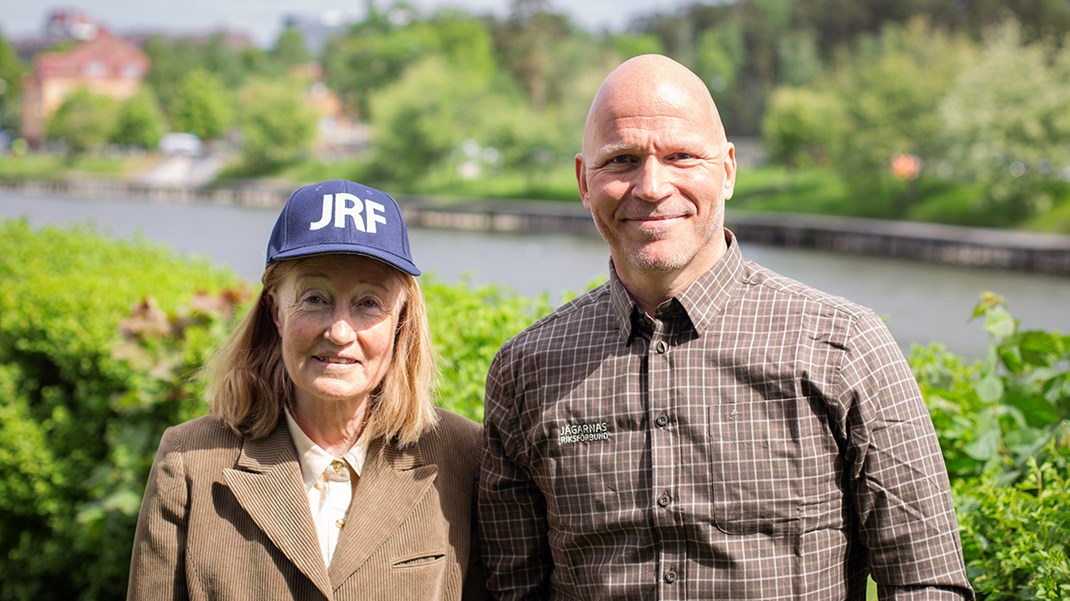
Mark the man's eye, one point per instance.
(681, 156)
(623, 159)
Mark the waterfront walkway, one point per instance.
(953, 245)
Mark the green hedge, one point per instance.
(1004, 428)
(100, 341)
(79, 413)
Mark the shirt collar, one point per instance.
(700, 302)
(314, 460)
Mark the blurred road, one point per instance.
(180, 170)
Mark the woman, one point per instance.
(324, 471)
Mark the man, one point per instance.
(700, 427)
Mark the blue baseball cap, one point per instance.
(341, 217)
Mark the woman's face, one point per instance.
(337, 316)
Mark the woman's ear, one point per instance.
(271, 305)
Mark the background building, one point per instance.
(104, 64)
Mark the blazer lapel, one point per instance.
(267, 483)
(392, 482)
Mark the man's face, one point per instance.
(655, 173)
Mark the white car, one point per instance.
(184, 144)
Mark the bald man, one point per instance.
(700, 427)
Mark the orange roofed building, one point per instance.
(105, 65)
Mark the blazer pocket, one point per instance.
(417, 561)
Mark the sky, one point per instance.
(262, 18)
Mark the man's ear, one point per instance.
(581, 180)
(728, 164)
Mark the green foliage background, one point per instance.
(101, 340)
(452, 103)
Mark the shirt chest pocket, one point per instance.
(772, 468)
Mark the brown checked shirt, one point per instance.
(758, 439)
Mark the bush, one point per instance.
(1016, 538)
(1004, 427)
(79, 421)
(468, 325)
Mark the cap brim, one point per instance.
(348, 249)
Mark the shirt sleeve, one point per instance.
(156, 565)
(899, 483)
(512, 509)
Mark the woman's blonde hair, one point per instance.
(248, 386)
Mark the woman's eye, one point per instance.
(370, 303)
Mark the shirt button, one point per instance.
(664, 500)
(661, 421)
(661, 347)
(670, 576)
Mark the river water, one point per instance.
(921, 302)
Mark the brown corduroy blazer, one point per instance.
(225, 517)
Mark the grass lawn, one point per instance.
(55, 167)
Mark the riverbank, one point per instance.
(933, 243)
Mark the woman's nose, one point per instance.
(341, 332)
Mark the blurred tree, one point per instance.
(375, 53)
(801, 125)
(140, 122)
(628, 45)
(290, 49)
(224, 61)
(1007, 123)
(890, 86)
(277, 125)
(417, 134)
(172, 61)
(733, 46)
(798, 59)
(525, 41)
(258, 63)
(11, 71)
(83, 122)
(202, 106)
(576, 68)
(719, 62)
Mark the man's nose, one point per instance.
(652, 181)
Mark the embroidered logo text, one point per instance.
(570, 433)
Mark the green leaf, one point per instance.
(990, 389)
(1041, 348)
(1036, 410)
(999, 323)
(986, 447)
(1011, 357)
(987, 437)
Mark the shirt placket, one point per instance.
(663, 462)
(336, 495)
